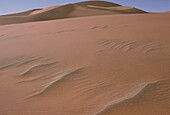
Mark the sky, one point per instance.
(14, 6)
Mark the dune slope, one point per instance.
(81, 9)
(93, 65)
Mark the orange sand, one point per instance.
(94, 64)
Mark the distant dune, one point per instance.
(107, 60)
(21, 13)
(167, 12)
(81, 9)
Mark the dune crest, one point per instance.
(81, 9)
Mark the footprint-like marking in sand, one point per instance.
(130, 45)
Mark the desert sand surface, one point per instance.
(82, 9)
(88, 63)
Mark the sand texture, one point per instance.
(82, 9)
(88, 58)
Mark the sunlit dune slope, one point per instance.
(93, 65)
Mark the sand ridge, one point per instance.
(81, 9)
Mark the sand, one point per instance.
(82, 9)
(91, 62)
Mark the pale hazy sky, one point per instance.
(13, 6)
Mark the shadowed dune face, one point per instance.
(45, 9)
(82, 9)
(59, 13)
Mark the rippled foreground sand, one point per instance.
(91, 65)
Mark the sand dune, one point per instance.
(88, 8)
(98, 63)
(44, 10)
(22, 13)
